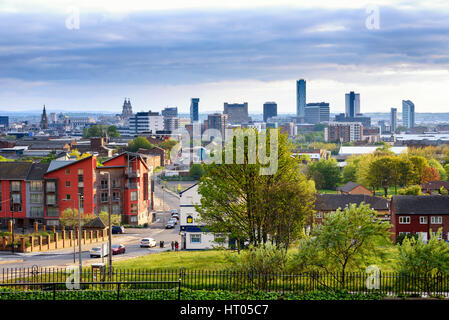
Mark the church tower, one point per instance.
(127, 110)
(44, 119)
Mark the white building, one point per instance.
(146, 122)
(192, 231)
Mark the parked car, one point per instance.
(147, 242)
(174, 220)
(170, 225)
(118, 248)
(97, 252)
(175, 215)
(174, 211)
(118, 229)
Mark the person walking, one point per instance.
(172, 245)
(176, 246)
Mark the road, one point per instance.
(131, 239)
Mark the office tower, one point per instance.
(352, 101)
(4, 121)
(171, 123)
(44, 119)
(146, 122)
(170, 112)
(237, 112)
(343, 132)
(408, 114)
(393, 119)
(194, 105)
(316, 112)
(270, 109)
(300, 98)
(219, 122)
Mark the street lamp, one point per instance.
(109, 223)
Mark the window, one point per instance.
(51, 199)
(36, 186)
(80, 172)
(67, 184)
(195, 238)
(105, 209)
(104, 197)
(116, 209)
(423, 220)
(103, 184)
(319, 215)
(67, 171)
(115, 183)
(404, 220)
(133, 219)
(68, 197)
(436, 220)
(116, 196)
(15, 185)
(51, 186)
(189, 219)
(52, 222)
(16, 198)
(35, 198)
(52, 212)
(133, 195)
(36, 212)
(133, 208)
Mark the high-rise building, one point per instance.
(171, 123)
(146, 122)
(170, 112)
(44, 119)
(270, 109)
(343, 132)
(408, 114)
(194, 106)
(393, 120)
(317, 112)
(219, 122)
(352, 101)
(4, 121)
(237, 112)
(300, 97)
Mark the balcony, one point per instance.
(130, 185)
(132, 173)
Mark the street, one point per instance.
(131, 239)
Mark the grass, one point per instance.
(191, 260)
(321, 191)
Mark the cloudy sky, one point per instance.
(162, 53)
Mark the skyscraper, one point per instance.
(194, 116)
(352, 101)
(317, 112)
(408, 113)
(237, 112)
(170, 112)
(218, 122)
(270, 109)
(300, 97)
(393, 120)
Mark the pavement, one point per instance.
(131, 240)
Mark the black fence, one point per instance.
(58, 283)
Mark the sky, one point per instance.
(90, 55)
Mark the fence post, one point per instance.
(54, 291)
(118, 290)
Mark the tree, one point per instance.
(197, 171)
(433, 163)
(113, 132)
(139, 143)
(116, 219)
(419, 164)
(383, 174)
(246, 205)
(425, 261)
(329, 171)
(70, 218)
(344, 240)
(414, 190)
(429, 174)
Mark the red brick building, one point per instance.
(420, 215)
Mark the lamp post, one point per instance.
(109, 222)
(73, 211)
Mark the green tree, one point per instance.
(239, 201)
(433, 163)
(113, 132)
(383, 173)
(197, 171)
(425, 261)
(414, 190)
(70, 217)
(139, 143)
(345, 240)
(116, 219)
(329, 171)
(419, 164)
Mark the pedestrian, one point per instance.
(176, 246)
(172, 245)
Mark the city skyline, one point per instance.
(116, 53)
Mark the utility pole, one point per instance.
(80, 259)
(109, 223)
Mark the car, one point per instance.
(173, 220)
(170, 225)
(118, 248)
(147, 242)
(97, 252)
(174, 211)
(175, 215)
(118, 229)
